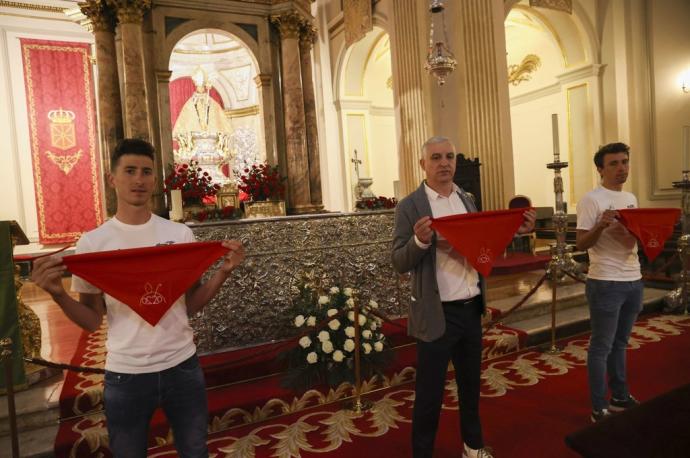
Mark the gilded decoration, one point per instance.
(130, 11)
(558, 5)
(307, 37)
(289, 24)
(101, 18)
(357, 17)
(34, 7)
(253, 304)
(523, 71)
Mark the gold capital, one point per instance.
(307, 36)
(130, 11)
(289, 24)
(100, 16)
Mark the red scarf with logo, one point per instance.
(149, 280)
(651, 226)
(481, 236)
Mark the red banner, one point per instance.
(482, 236)
(64, 144)
(149, 279)
(651, 226)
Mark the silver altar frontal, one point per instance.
(334, 249)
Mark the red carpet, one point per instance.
(243, 388)
(530, 403)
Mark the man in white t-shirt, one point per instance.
(146, 366)
(614, 282)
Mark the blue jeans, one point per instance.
(613, 309)
(131, 399)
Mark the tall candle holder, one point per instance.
(678, 298)
(562, 261)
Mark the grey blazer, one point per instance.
(425, 317)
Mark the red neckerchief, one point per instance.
(480, 236)
(651, 226)
(149, 280)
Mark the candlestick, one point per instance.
(686, 148)
(554, 130)
(176, 212)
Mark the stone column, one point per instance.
(299, 195)
(263, 83)
(130, 14)
(484, 105)
(409, 82)
(109, 104)
(306, 42)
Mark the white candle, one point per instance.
(176, 212)
(554, 130)
(686, 148)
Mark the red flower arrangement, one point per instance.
(262, 182)
(376, 203)
(195, 184)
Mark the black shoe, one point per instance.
(617, 405)
(598, 415)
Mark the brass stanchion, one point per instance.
(358, 405)
(679, 297)
(6, 359)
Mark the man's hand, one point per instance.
(422, 229)
(530, 217)
(608, 218)
(234, 257)
(47, 273)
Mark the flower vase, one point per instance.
(264, 208)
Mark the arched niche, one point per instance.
(566, 82)
(365, 106)
(213, 94)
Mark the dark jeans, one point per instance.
(130, 400)
(462, 344)
(613, 309)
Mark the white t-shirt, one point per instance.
(134, 346)
(614, 256)
(456, 278)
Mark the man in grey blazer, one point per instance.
(447, 301)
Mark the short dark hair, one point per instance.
(131, 146)
(611, 148)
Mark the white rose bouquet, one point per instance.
(325, 352)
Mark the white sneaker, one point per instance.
(479, 453)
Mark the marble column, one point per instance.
(102, 24)
(297, 160)
(484, 104)
(264, 84)
(306, 42)
(130, 15)
(409, 86)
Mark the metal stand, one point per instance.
(6, 360)
(562, 261)
(358, 405)
(677, 299)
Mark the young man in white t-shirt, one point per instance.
(146, 366)
(614, 282)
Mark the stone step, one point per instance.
(35, 408)
(36, 443)
(569, 294)
(575, 320)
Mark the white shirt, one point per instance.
(134, 346)
(456, 278)
(614, 256)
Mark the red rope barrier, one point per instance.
(493, 323)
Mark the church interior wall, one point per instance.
(16, 172)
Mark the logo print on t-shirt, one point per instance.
(484, 256)
(152, 297)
